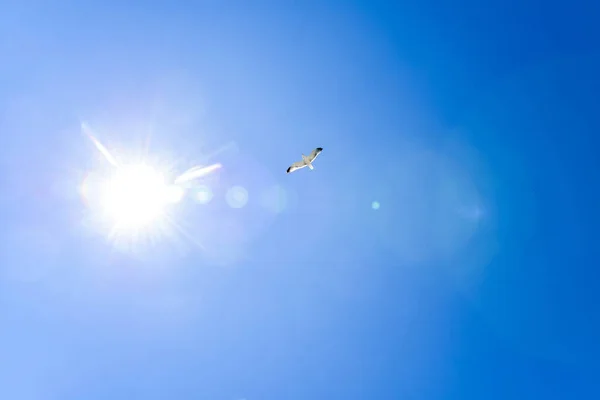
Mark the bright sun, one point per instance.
(137, 195)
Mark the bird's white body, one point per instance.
(306, 160)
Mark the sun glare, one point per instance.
(131, 203)
(137, 195)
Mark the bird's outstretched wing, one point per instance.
(314, 154)
(295, 166)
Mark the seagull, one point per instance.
(306, 160)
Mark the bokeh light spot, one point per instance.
(203, 194)
(237, 197)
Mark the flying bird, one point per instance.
(306, 160)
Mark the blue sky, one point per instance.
(473, 126)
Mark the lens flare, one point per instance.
(195, 173)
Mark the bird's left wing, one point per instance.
(295, 166)
(314, 154)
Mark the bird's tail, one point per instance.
(310, 166)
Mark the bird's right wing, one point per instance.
(315, 153)
(295, 166)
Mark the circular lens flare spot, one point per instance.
(203, 194)
(237, 197)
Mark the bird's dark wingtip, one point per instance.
(288, 170)
(319, 149)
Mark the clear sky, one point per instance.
(444, 247)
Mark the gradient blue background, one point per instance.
(473, 124)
